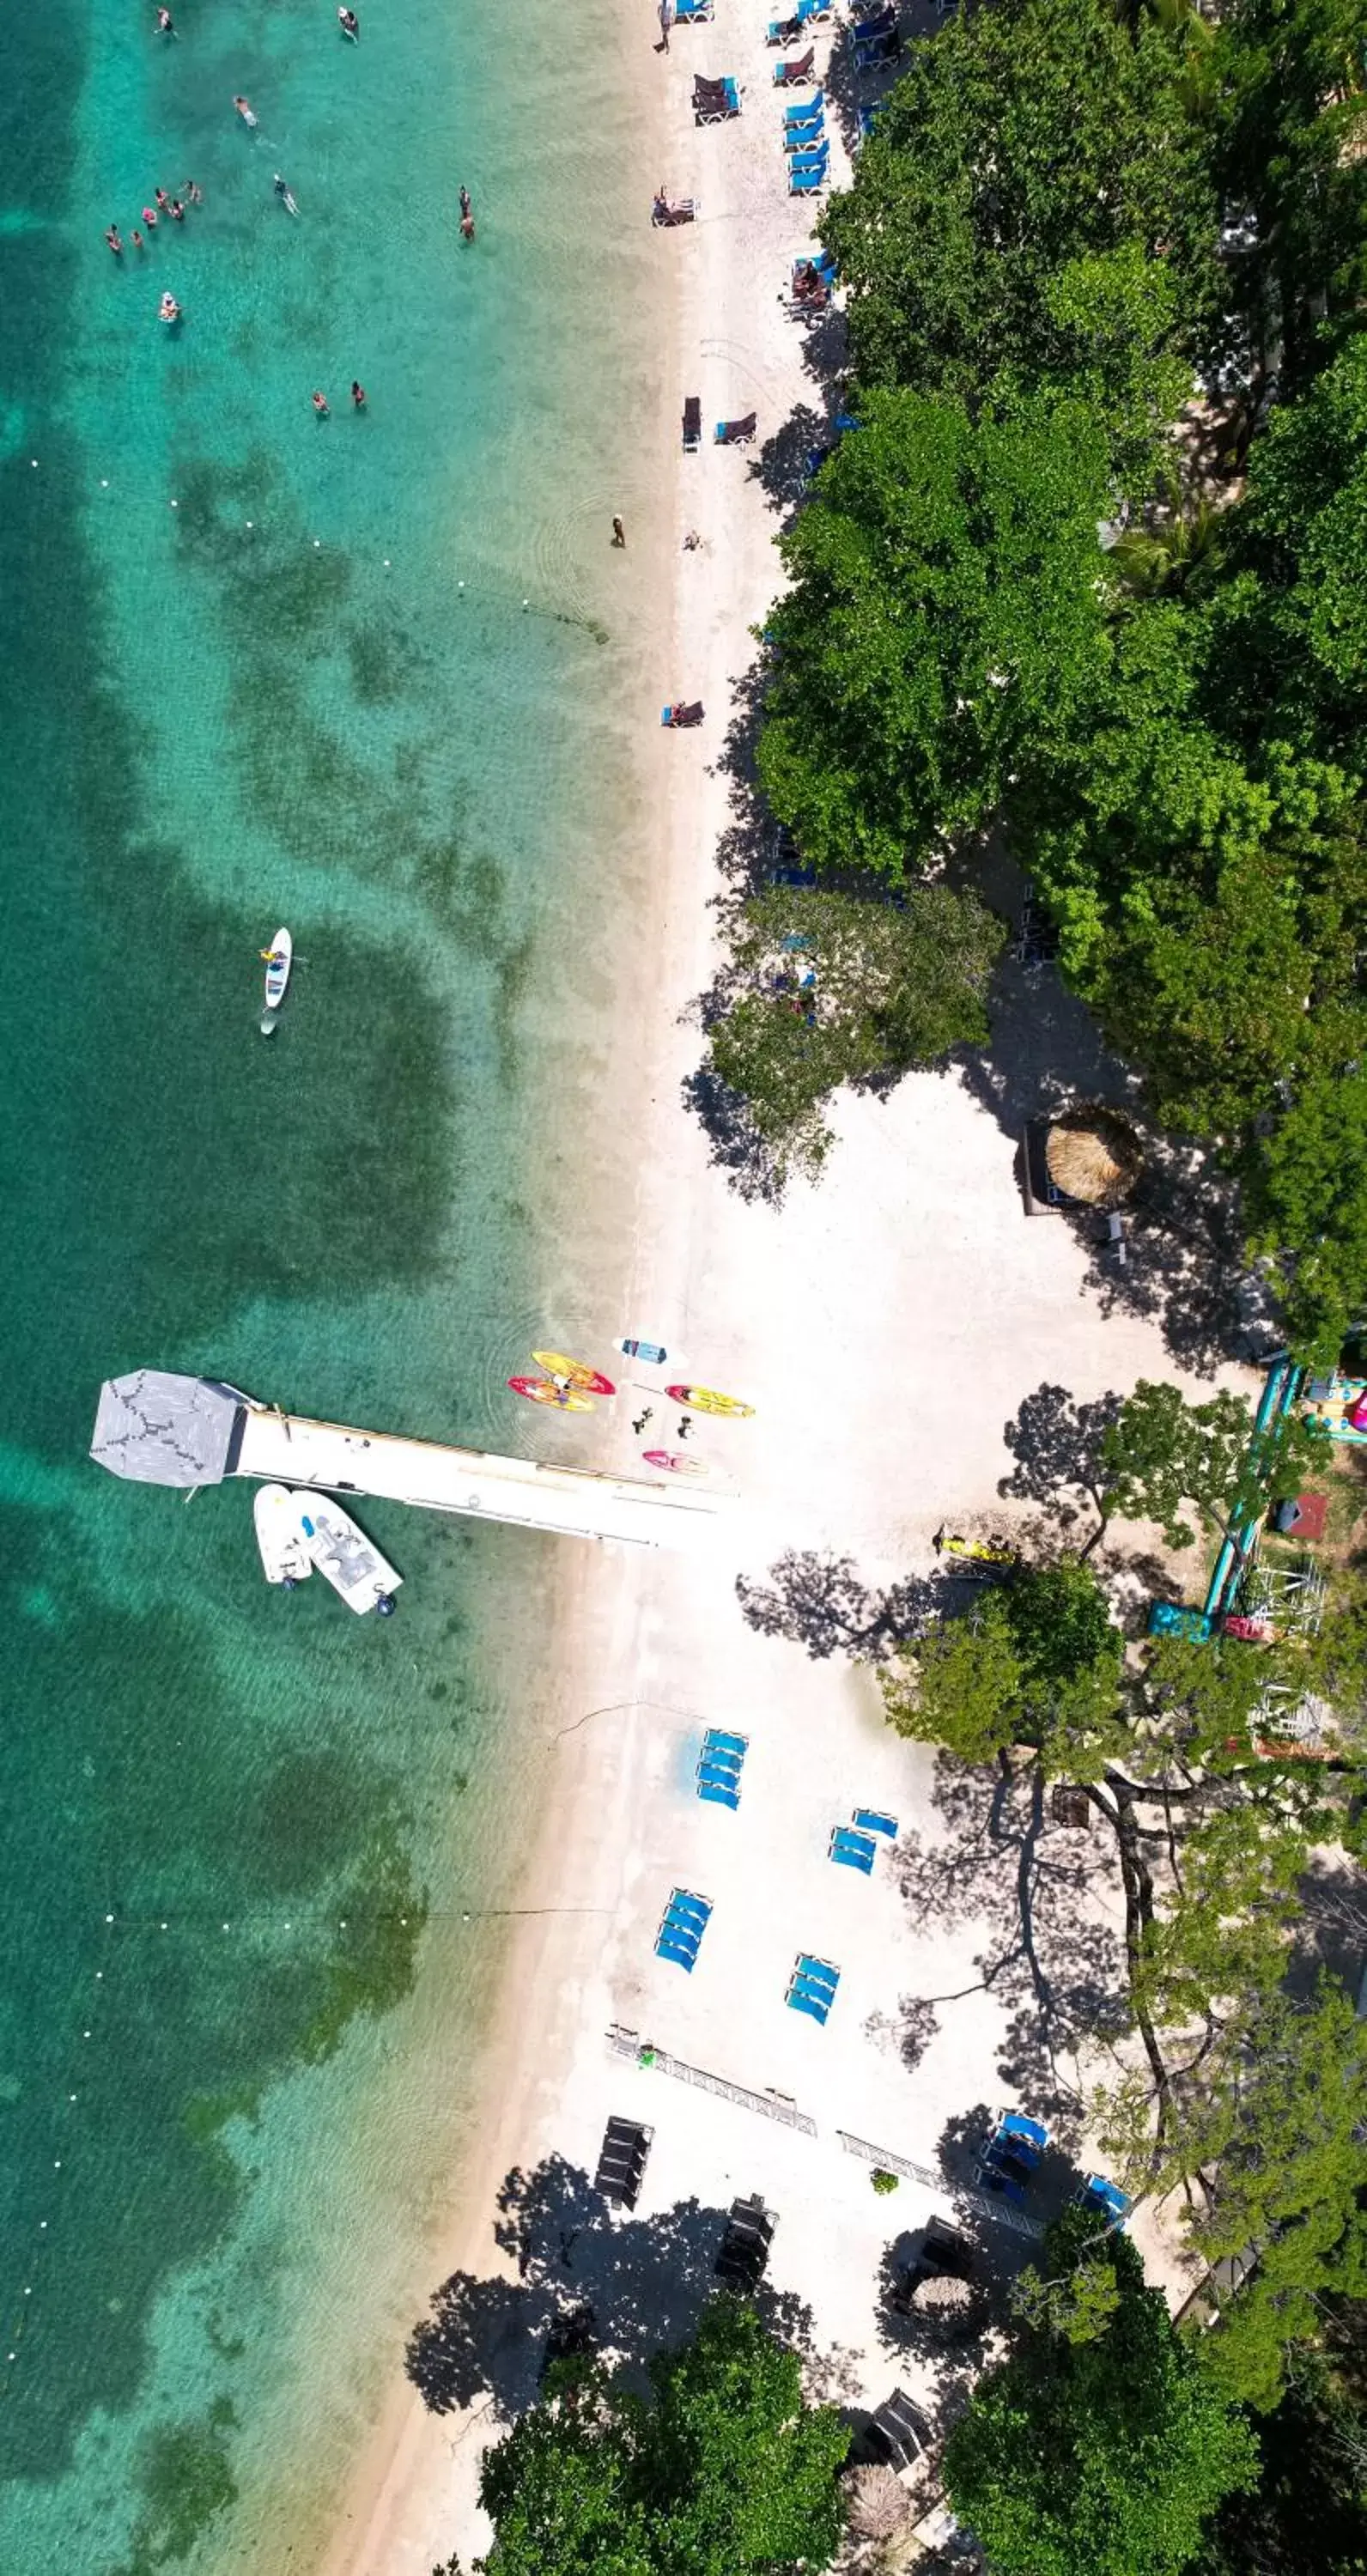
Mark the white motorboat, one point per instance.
(343, 1554)
(280, 1536)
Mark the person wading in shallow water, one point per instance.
(619, 534)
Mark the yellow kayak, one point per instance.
(539, 1390)
(590, 1381)
(705, 1399)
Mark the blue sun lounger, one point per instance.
(806, 139)
(852, 1850)
(716, 1740)
(717, 1790)
(808, 178)
(696, 10)
(680, 1934)
(799, 110)
(870, 1821)
(812, 1985)
(1104, 2199)
(1012, 2156)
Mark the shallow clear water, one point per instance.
(240, 1832)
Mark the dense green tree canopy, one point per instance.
(1099, 2457)
(1035, 203)
(825, 988)
(945, 610)
(724, 2471)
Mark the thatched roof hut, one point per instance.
(1093, 1155)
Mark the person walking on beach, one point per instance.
(619, 534)
(642, 1419)
(685, 1425)
(666, 18)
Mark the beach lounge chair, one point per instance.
(692, 423)
(808, 178)
(791, 75)
(736, 433)
(811, 1987)
(716, 1791)
(682, 712)
(744, 2249)
(719, 1775)
(781, 31)
(721, 1758)
(944, 2248)
(877, 50)
(674, 210)
(685, 1907)
(852, 1850)
(1104, 2199)
(806, 143)
(879, 22)
(715, 101)
(622, 2162)
(716, 1740)
(798, 110)
(871, 1821)
(898, 2434)
(1012, 2156)
(695, 12)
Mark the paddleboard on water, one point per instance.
(589, 1381)
(279, 958)
(674, 1464)
(539, 1390)
(705, 1399)
(654, 1354)
(280, 1535)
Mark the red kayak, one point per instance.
(673, 1464)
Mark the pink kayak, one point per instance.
(673, 1463)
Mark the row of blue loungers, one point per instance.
(686, 1918)
(719, 1768)
(804, 142)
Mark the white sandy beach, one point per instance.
(885, 1327)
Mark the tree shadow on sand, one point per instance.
(821, 1602)
(1051, 1962)
(645, 2280)
(1185, 1267)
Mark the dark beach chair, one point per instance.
(622, 2162)
(792, 75)
(944, 2248)
(715, 101)
(571, 2336)
(682, 712)
(744, 2249)
(736, 433)
(692, 423)
(898, 2433)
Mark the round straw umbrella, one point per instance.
(1093, 1155)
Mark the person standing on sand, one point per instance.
(619, 534)
(666, 18)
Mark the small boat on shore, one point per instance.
(279, 958)
(345, 1557)
(674, 1463)
(280, 1536)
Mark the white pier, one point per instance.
(160, 1429)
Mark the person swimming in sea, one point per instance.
(284, 196)
(320, 405)
(166, 25)
(115, 243)
(350, 24)
(137, 239)
(177, 211)
(170, 310)
(358, 395)
(244, 110)
(467, 226)
(149, 217)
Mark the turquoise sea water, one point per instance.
(257, 667)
